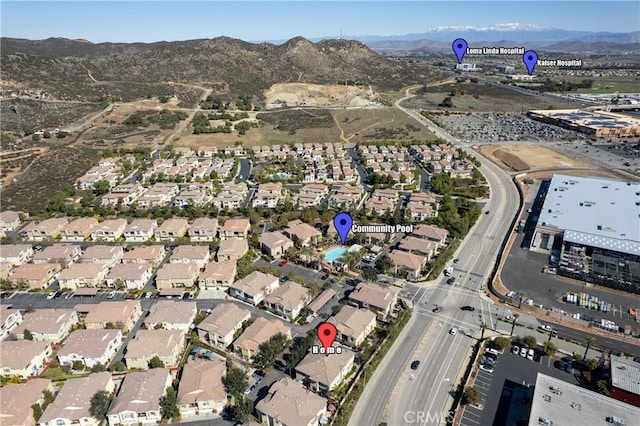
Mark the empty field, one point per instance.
(320, 125)
(610, 85)
(517, 158)
(481, 97)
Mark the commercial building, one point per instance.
(625, 380)
(556, 402)
(591, 227)
(597, 123)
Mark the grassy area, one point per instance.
(470, 97)
(609, 84)
(320, 126)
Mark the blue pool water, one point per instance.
(333, 254)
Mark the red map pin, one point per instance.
(327, 333)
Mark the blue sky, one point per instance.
(149, 21)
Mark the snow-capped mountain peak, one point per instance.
(497, 27)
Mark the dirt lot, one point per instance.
(527, 157)
(304, 94)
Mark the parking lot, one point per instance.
(499, 388)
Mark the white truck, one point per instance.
(448, 271)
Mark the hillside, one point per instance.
(80, 70)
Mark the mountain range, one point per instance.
(515, 34)
(80, 69)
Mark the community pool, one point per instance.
(333, 254)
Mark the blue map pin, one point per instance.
(460, 47)
(530, 59)
(343, 222)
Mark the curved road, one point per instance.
(397, 395)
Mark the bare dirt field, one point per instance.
(517, 158)
(305, 94)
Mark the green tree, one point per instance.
(588, 341)
(169, 404)
(99, 404)
(156, 362)
(446, 102)
(242, 409)
(98, 368)
(37, 411)
(48, 397)
(602, 388)
(27, 334)
(591, 364)
(471, 396)
(549, 349)
(101, 187)
(530, 341)
(78, 365)
(118, 366)
(269, 351)
(118, 284)
(384, 264)
(235, 382)
(369, 274)
(500, 343)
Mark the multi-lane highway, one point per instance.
(398, 395)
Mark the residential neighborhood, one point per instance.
(167, 308)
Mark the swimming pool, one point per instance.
(333, 254)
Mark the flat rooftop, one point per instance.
(556, 402)
(592, 211)
(625, 374)
(593, 119)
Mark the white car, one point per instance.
(515, 350)
(487, 368)
(111, 295)
(453, 331)
(492, 351)
(530, 355)
(523, 352)
(51, 295)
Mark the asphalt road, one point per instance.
(426, 337)
(244, 171)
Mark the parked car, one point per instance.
(453, 331)
(560, 365)
(284, 279)
(492, 351)
(530, 355)
(415, 364)
(468, 308)
(487, 368)
(148, 295)
(451, 280)
(489, 361)
(284, 262)
(437, 309)
(111, 295)
(523, 352)
(568, 368)
(51, 295)
(515, 350)
(192, 295)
